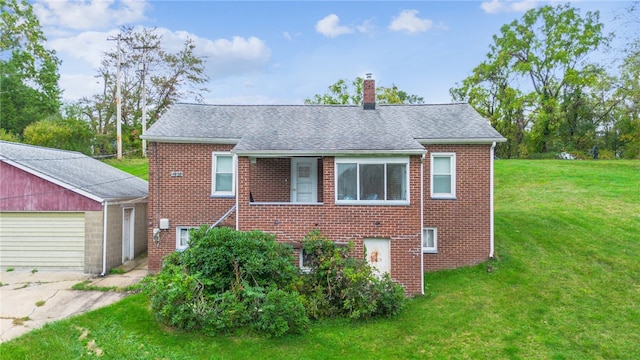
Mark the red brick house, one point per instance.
(411, 184)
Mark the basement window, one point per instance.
(182, 237)
(430, 240)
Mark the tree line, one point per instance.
(538, 86)
(30, 99)
(541, 89)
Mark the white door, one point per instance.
(379, 254)
(304, 180)
(128, 229)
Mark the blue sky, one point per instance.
(282, 52)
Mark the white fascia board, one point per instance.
(125, 201)
(189, 140)
(55, 181)
(487, 141)
(289, 153)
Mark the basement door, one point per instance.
(304, 180)
(128, 229)
(379, 254)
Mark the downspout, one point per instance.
(491, 225)
(422, 222)
(235, 157)
(105, 206)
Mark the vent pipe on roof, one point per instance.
(369, 93)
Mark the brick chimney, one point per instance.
(369, 93)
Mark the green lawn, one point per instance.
(138, 167)
(565, 285)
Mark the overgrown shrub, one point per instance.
(338, 284)
(229, 280)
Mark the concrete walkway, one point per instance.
(28, 299)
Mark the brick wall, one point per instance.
(463, 224)
(185, 200)
(270, 180)
(291, 222)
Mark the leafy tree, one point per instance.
(28, 71)
(8, 136)
(628, 119)
(343, 92)
(58, 133)
(169, 77)
(535, 69)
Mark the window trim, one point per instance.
(372, 161)
(434, 249)
(178, 231)
(214, 159)
(452, 194)
(304, 269)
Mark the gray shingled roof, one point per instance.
(323, 128)
(75, 171)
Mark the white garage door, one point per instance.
(42, 240)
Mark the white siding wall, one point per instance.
(42, 240)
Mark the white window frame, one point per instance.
(427, 249)
(214, 159)
(452, 194)
(372, 161)
(303, 268)
(179, 230)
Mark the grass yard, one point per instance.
(138, 167)
(565, 285)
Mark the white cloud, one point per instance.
(367, 27)
(77, 86)
(330, 26)
(88, 46)
(409, 21)
(87, 15)
(499, 6)
(291, 37)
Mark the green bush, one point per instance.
(221, 254)
(230, 281)
(338, 284)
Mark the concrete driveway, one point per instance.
(28, 299)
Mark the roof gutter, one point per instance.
(124, 201)
(283, 153)
(461, 141)
(190, 140)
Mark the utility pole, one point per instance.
(144, 106)
(118, 102)
(144, 95)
